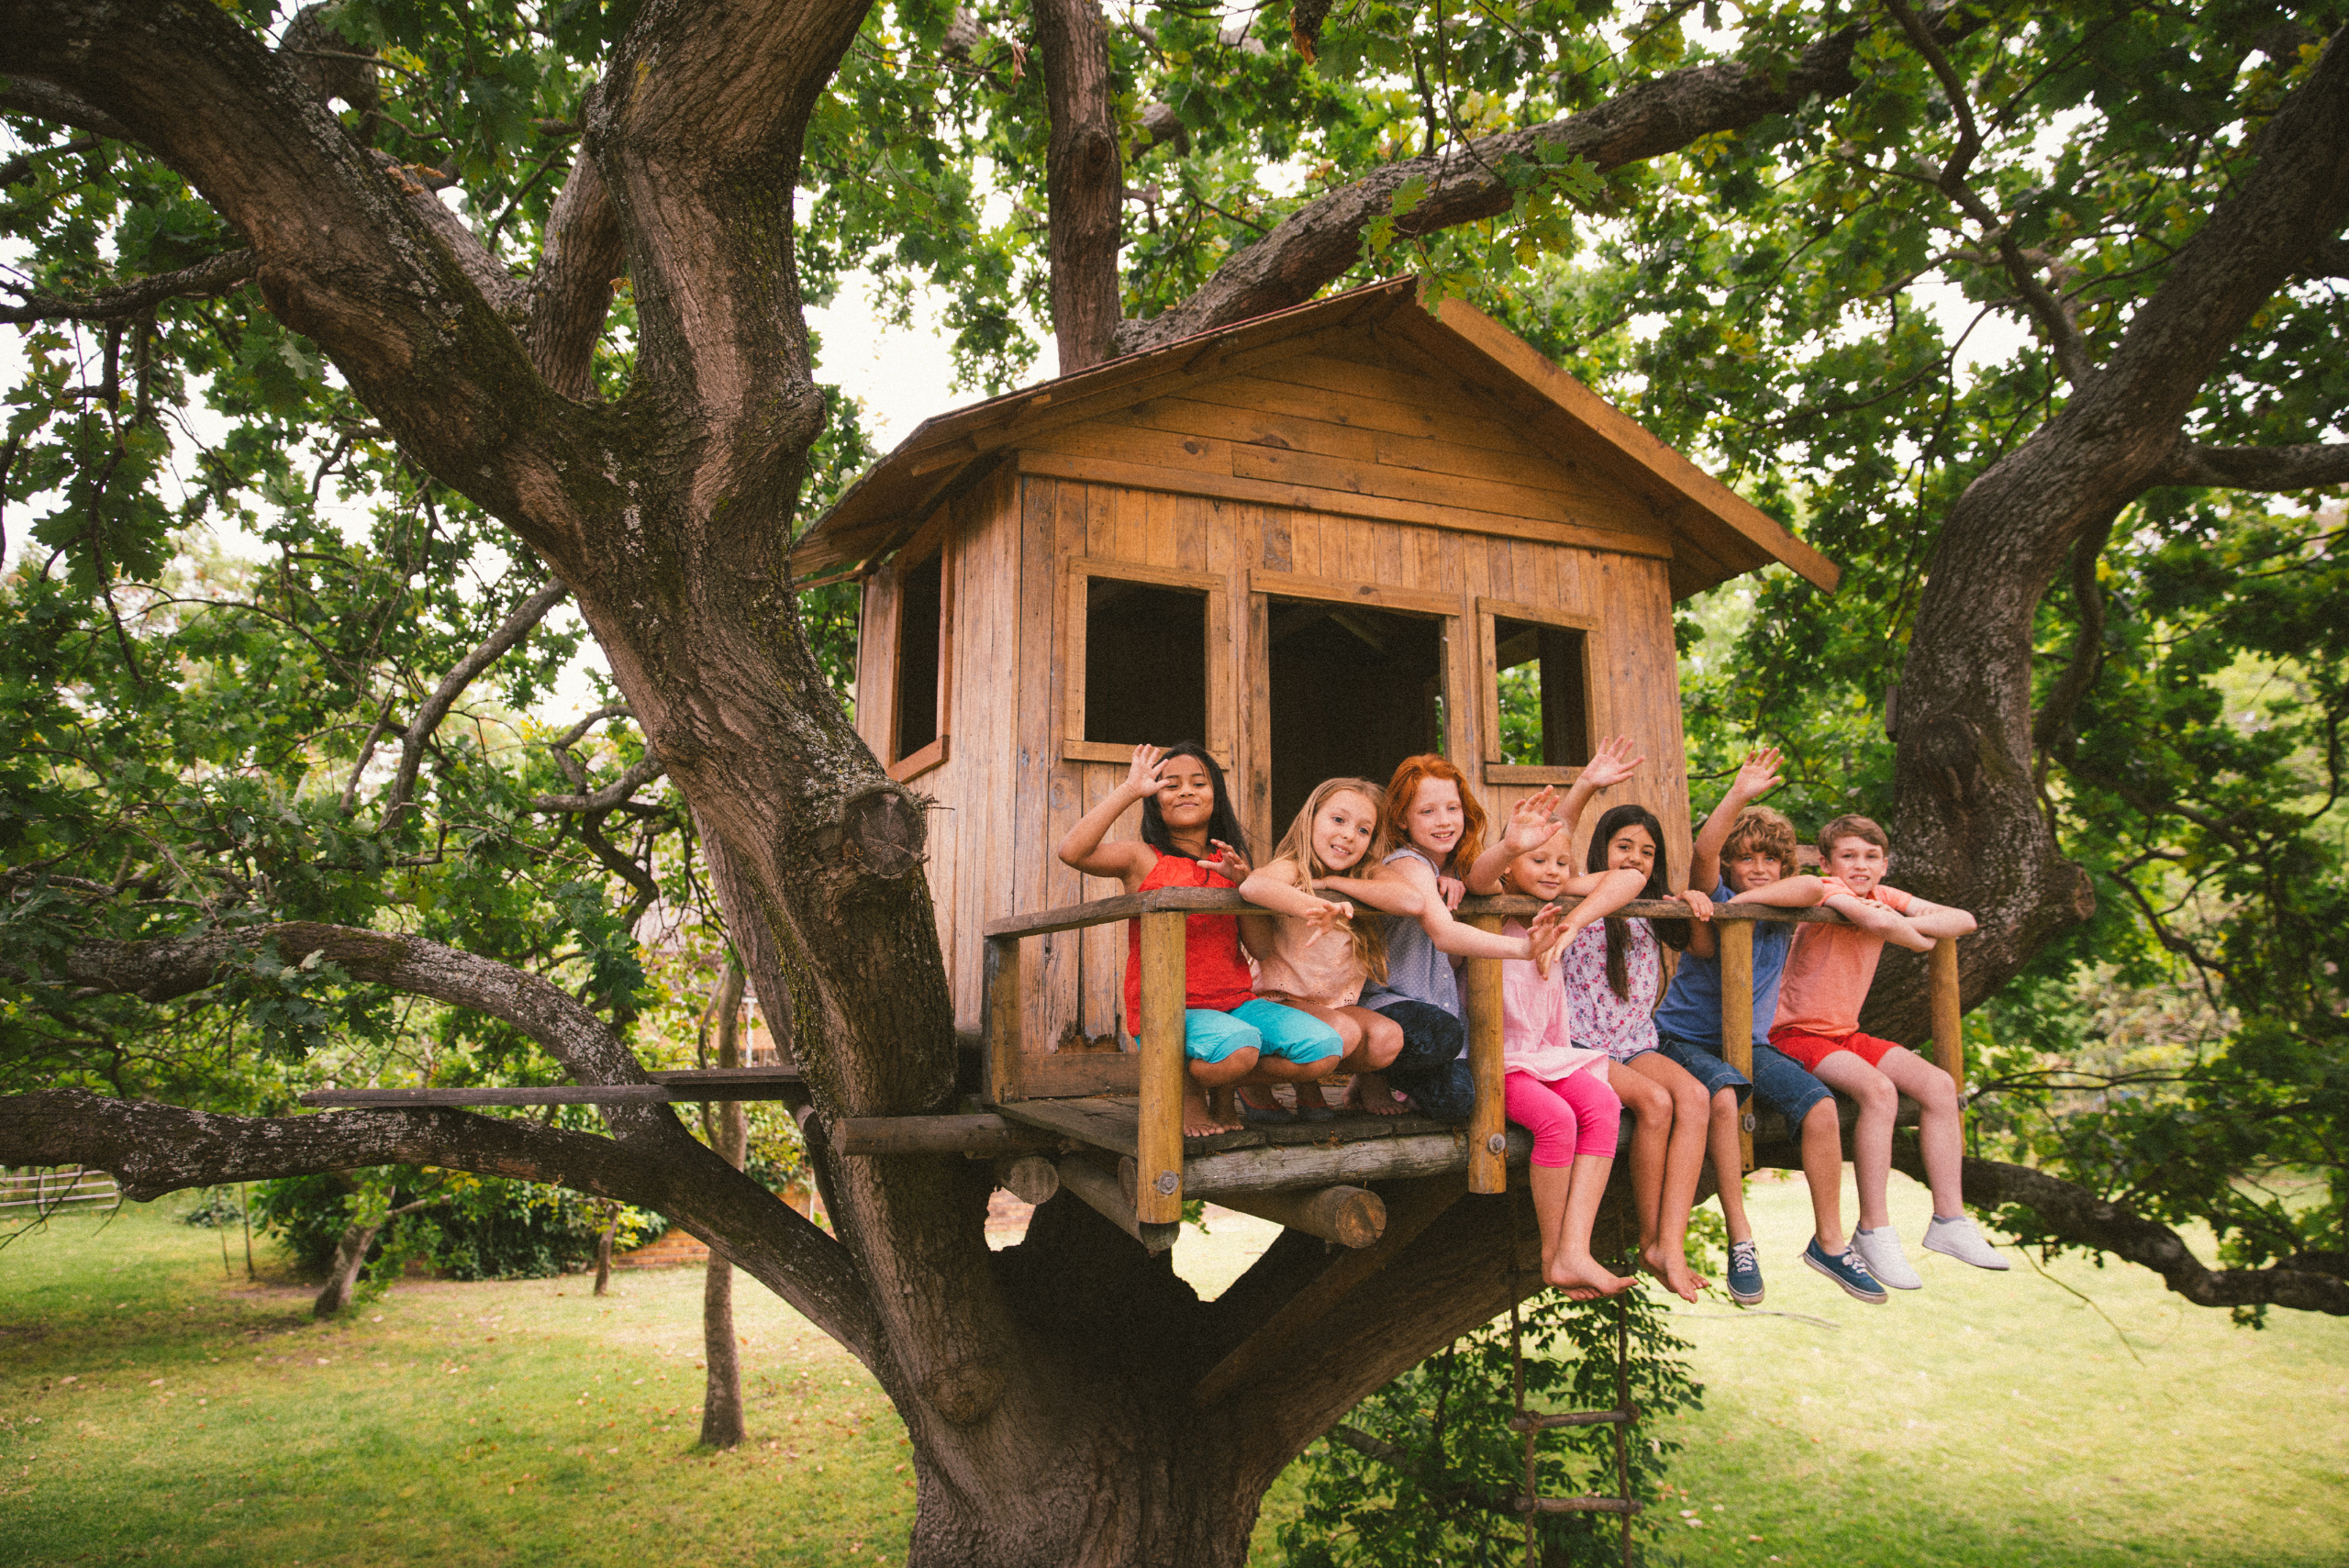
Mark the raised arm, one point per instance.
(1082, 848)
(1533, 821)
(1757, 777)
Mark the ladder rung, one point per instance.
(1542, 1423)
(1576, 1505)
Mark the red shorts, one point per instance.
(1810, 1049)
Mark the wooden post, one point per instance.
(1158, 1151)
(1736, 938)
(1488, 1123)
(1949, 1035)
(1002, 1019)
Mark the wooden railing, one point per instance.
(1158, 1192)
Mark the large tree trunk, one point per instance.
(1083, 180)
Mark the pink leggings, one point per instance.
(1577, 1113)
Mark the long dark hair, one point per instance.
(1672, 933)
(1222, 823)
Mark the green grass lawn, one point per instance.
(154, 1406)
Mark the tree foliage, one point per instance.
(355, 338)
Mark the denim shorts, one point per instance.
(1430, 1067)
(1779, 1082)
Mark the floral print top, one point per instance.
(1619, 1026)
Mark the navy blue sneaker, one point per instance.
(1744, 1274)
(1846, 1269)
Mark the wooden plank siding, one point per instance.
(1477, 513)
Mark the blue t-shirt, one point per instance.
(1692, 1008)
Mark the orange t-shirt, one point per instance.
(1828, 974)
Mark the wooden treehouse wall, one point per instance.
(1314, 477)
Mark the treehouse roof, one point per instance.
(1712, 534)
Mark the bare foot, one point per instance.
(1583, 1279)
(1199, 1120)
(1369, 1092)
(1671, 1266)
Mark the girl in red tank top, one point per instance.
(1190, 834)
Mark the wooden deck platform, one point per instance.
(1352, 1148)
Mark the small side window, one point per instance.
(921, 609)
(1542, 673)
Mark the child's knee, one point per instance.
(1724, 1107)
(1383, 1037)
(1876, 1094)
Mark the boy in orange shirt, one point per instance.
(1818, 1024)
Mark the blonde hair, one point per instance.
(1296, 850)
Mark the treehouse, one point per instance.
(1318, 541)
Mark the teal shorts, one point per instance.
(1267, 1027)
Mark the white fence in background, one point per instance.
(46, 1191)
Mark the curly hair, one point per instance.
(1759, 830)
(1403, 789)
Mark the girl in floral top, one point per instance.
(1613, 972)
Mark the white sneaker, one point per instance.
(1960, 1239)
(1880, 1250)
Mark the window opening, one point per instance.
(1544, 692)
(1145, 663)
(921, 609)
(1354, 691)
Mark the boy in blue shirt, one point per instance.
(1745, 854)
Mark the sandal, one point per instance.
(1272, 1114)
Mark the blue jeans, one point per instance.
(1779, 1082)
(1430, 1067)
(1264, 1027)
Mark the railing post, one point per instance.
(1002, 1019)
(1736, 938)
(1158, 1155)
(1949, 1035)
(1488, 1123)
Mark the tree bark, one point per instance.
(1967, 817)
(729, 1132)
(1083, 180)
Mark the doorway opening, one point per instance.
(1354, 691)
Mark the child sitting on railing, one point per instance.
(1188, 834)
(1746, 853)
(1557, 1090)
(1437, 828)
(1818, 1024)
(1613, 973)
(1303, 963)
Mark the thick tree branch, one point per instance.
(2309, 467)
(1320, 241)
(2077, 1217)
(45, 101)
(512, 629)
(1083, 181)
(170, 968)
(155, 1148)
(213, 275)
(571, 294)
